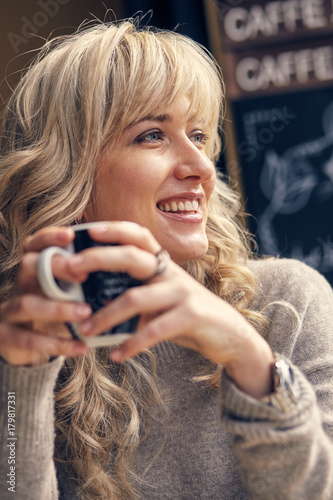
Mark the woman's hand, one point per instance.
(32, 326)
(174, 307)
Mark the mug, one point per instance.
(99, 288)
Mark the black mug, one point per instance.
(99, 288)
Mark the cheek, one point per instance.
(119, 196)
(106, 196)
(209, 188)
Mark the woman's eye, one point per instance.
(199, 137)
(149, 137)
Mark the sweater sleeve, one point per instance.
(27, 431)
(289, 455)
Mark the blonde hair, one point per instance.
(73, 103)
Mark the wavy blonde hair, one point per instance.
(74, 101)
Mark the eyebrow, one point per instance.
(157, 118)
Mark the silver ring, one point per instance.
(162, 260)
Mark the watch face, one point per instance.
(286, 388)
(288, 378)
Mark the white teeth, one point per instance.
(173, 206)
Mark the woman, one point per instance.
(225, 389)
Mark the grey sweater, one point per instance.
(220, 445)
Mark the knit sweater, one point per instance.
(219, 444)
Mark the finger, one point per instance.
(145, 299)
(27, 308)
(26, 340)
(124, 258)
(124, 233)
(171, 325)
(27, 278)
(59, 236)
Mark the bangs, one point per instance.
(152, 69)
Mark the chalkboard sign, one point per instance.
(285, 149)
(271, 70)
(277, 58)
(262, 22)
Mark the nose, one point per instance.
(191, 162)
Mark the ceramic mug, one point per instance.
(100, 287)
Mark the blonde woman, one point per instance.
(225, 389)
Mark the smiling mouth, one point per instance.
(179, 206)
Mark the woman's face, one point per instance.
(158, 175)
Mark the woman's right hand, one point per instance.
(31, 325)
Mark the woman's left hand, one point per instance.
(173, 306)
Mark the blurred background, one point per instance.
(277, 58)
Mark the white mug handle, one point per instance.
(51, 288)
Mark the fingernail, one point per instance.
(79, 349)
(117, 355)
(86, 327)
(83, 310)
(99, 228)
(62, 236)
(75, 260)
(130, 223)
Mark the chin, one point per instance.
(197, 250)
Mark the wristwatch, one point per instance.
(286, 389)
